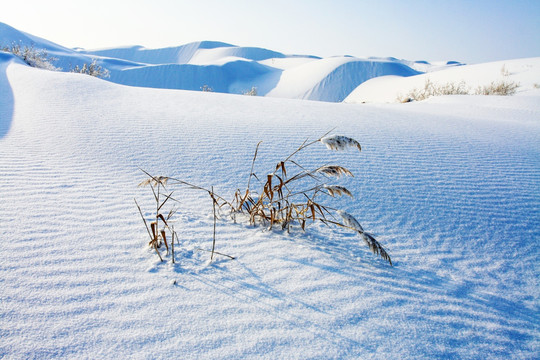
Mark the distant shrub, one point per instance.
(502, 87)
(252, 92)
(430, 89)
(38, 58)
(206, 88)
(92, 69)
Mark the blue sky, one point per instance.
(470, 31)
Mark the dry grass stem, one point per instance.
(160, 223)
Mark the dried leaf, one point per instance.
(164, 239)
(160, 216)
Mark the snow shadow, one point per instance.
(6, 96)
(233, 77)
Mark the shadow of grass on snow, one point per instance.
(339, 286)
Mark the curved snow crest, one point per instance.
(333, 79)
(169, 55)
(208, 56)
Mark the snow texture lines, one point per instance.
(450, 188)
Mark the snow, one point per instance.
(525, 72)
(449, 186)
(332, 79)
(228, 68)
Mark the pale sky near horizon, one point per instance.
(471, 31)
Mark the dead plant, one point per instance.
(291, 195)
(157, 234)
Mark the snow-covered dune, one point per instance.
(171, 55)
(332, 79)
(226, 68)
(450, 186)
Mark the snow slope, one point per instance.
(525, 72)
(228, 68)
(450, 186)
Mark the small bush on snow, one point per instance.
(431, 89)
(503, 87)
(252, 92)
(38, 58)
(206, 88)
(92, 69)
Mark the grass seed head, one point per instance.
(339, 142)
(350, 221)
(334, 170)
(335, 190)
(155, 180)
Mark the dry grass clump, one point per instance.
(502, 87)
(294, 195)
(289, 196)
(432, 89)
